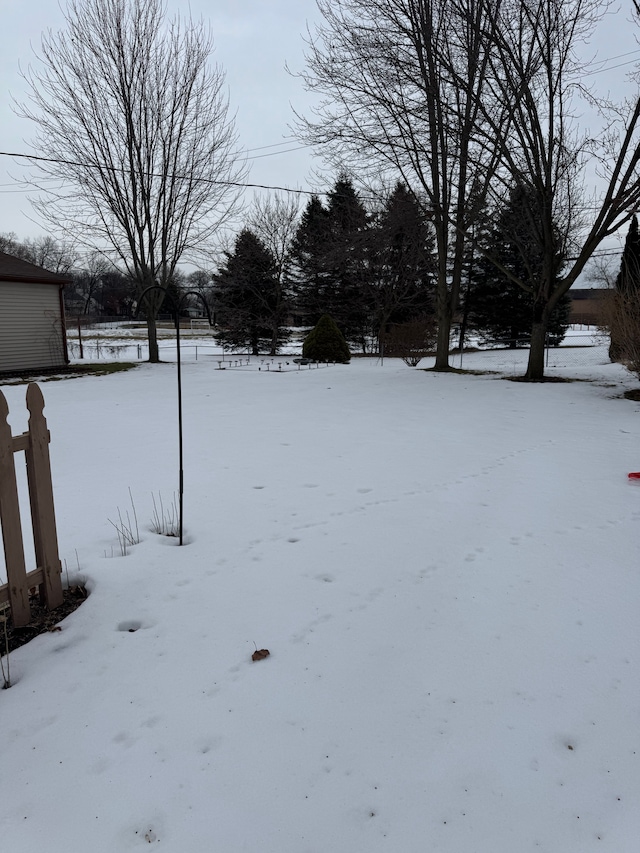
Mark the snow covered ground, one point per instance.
(445, 569)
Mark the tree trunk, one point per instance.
(152, 333)
(444, 337)
(535, 367)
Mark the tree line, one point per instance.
(370, 265)
(463, 107)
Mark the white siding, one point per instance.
(31, 333)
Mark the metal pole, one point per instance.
(181, 474)
(176, 320)
(80, 337)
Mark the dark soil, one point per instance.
(634, 395)
(42, 620)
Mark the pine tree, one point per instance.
(308, 257)
(346, 296)
(496, 307)
(246, 297)
(329, 257)
(401, 286)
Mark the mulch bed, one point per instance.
(42, 620)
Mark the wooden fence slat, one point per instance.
(34, 578)
(18, 589)
(41, 497)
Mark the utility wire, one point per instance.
(155, 175)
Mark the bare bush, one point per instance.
(621, 318)
(411, 341)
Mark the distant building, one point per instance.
(586, 305)
(32, 329)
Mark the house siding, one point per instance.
(31, 327)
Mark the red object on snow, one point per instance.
(635, 475)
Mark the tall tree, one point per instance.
(401, 82)
(133, 123)
(535, 68)
(401, 275)
(344, 292)
(308, 248)
(495, 306)
(248, 310)
(329, 255)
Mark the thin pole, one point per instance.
(181, 474)
(80, 337)
(176, 320)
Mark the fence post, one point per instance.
(11, 526)
(41, 498)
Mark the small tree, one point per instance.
(326, 342)
(246, 296)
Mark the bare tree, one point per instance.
(621, 318)
(401, 83)
(134, 124)
(57, 256)
(88, 281)
(547, 154)
(274, 218)
(8, 242)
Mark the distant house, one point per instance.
(32, 329)
(586, 305)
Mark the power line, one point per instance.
(239, 184)
(274, 153)
(285, 141)
(610, 67)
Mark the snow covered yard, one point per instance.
(445, 569)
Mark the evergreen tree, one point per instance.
(246, 293)
(400, 285)
(497, 308)
(627, 292)
(325, 342)
(308, 253)
(329, 257)
(346, 297)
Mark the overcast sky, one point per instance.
(254, 41)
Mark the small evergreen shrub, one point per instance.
(326, 342)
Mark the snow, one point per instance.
(444, 569)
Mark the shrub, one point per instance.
(621, 317)
(411, 341)
(326, 342)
